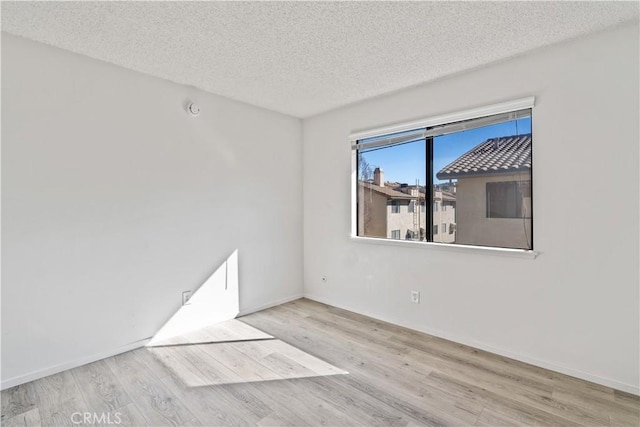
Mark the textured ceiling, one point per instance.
(302, 58)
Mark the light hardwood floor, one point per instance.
(396, 377)
(229, 330)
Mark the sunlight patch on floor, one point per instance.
(228, 330)
(199, 365)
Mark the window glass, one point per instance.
(484, 175)
(509, 199)
(390, 182)
(475, 175)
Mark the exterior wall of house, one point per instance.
(403, 220)
(376, 217)
(372, 213)
(379, 220)
(473, 226)
(444, 214)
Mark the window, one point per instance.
(475, 172)
(511, 199)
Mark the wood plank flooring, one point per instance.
(396, 377)
(229, 330)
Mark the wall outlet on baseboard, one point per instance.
(415, 297)
(186, 296)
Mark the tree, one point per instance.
(364, 168)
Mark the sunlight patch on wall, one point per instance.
(217, 300)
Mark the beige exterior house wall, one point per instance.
(473, 226)
(372, 213)
(403, 220)
(376, 217)
(443, 215)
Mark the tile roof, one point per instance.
(387, 191)
(448, 197)
(507, 154)
(394, 194)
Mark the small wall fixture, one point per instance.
(193, 109)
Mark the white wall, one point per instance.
(115, 200)
(575, 307)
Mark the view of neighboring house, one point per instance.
(493, 196)
(398, 211)
(444, 214)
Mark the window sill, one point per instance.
(504, 252)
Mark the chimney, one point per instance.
(378, 177)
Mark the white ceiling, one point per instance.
(303, 58)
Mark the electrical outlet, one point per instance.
(415, 297)
(186, 296)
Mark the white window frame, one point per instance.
(473, 113)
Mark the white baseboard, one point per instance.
(502, 352)
(41, 373)
(250, 310)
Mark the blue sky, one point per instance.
(405, 163)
